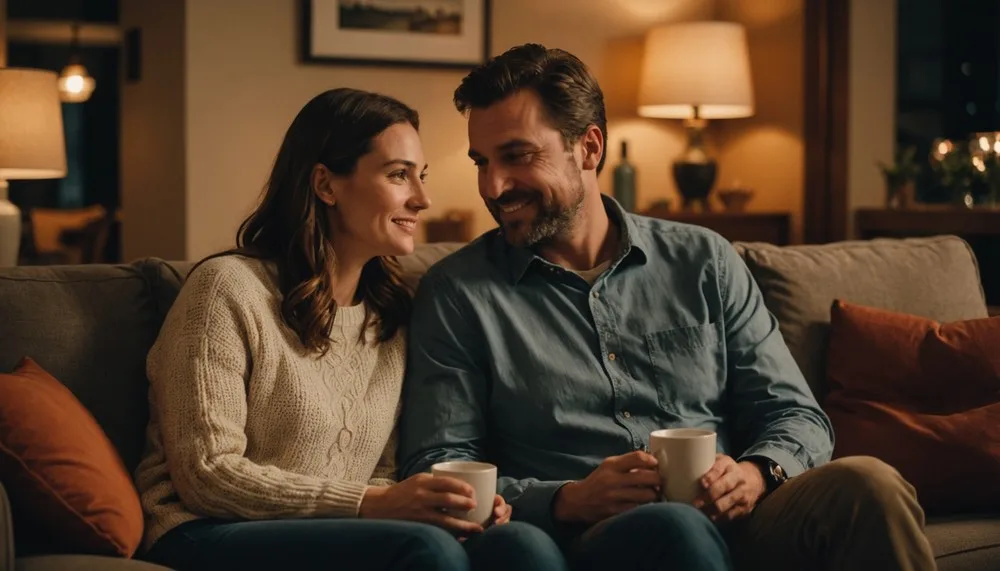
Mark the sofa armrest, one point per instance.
(6, 533)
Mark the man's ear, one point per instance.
(592, 143)
(323, 185)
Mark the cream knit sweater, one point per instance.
(245, 424)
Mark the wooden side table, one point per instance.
(770, 227)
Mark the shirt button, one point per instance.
(596, 295)
(627, 414)
(611, 356)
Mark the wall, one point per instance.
(871, 126)
(242, 85)
(766, 152)
(153, 166)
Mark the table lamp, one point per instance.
(696, 71)
(32, 145)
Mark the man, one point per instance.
(553, 345)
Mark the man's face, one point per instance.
(531, 182)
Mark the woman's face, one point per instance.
(376, 209)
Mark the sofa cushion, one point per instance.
(423, 257)
(63, 474)
(90, 326)
(919, 395)
(965, 543)
(936, 278)
(83, 563)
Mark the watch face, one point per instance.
(778, 472)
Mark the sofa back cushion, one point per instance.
(90, 326)
(936, 278)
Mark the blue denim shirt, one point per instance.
(516, 361)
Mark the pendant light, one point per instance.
(75, 84)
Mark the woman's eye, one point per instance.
(398, 175)
(423, 177)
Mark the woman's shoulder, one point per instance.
(233, 275)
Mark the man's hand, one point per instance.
(501, 511)
(731, 490)
(619, 484)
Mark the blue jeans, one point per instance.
(655, 537)
(331, 544)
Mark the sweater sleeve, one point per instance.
(385, 473)
(198, 370)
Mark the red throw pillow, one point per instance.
(60, 469)
(922, 396)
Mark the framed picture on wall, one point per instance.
(416, 33)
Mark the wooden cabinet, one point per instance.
(770, 227)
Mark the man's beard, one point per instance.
(551, 222)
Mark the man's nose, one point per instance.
(493, 182)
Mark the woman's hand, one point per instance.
(501, 511)
(423, 498)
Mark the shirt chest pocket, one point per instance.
(687, 366)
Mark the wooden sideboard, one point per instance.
(980, 227)
(770, 227)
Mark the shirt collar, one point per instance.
(633, 242)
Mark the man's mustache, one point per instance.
(513, 196)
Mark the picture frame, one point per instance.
(404, 33)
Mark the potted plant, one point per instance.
(900, 178)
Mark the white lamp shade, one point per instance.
(32, 144)
(696, 63)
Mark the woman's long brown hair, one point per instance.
(290, 225)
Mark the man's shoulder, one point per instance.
(475, 261)
(669, 237)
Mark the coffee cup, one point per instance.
(683, 456)
(483, 479)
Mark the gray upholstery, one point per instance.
(6, 533)
(83, 563)
(91, 326)
(935, 278)
(966, 543)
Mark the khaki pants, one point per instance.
(853, 513)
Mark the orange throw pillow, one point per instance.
(60, 470)
(924, 397)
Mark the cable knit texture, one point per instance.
(246, 424)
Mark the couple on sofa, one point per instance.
(282, 433)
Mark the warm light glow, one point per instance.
(75, 84)
(984, 143)
(943, 148)
(703, 64)
(979, 164)
(31, 128)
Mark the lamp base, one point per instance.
(695, 170)
(10, 228)
(694, 183)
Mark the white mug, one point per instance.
(683, 456)
(483, 479)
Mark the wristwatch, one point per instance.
(774, 474)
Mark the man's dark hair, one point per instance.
(571, 96)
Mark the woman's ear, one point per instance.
(324, 185)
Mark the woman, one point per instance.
(275, 380)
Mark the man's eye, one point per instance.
(518, 158)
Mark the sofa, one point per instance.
(91, 326)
